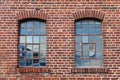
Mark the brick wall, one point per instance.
(60, 16)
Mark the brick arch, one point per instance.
(31, 14)
(89, 14)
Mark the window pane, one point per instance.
(36, 24)
(85, 31)
(91, 39)
(91, 31)
(84, 24)
(42, 59)
(85, 54)
(36, 31)
(22, 39)
(42, 31)
(35, 54)
(21, 63)
(98, 39)
(42, 63)
(99, 47)
(78, 31)
(92, 54)
(29, 47)
(29, 31)
(36, 39)
(78, 24)
(98, 31)
(84, 62)
(21, 55)
(78, 54)
(21, 47)
(91, 24)
(99, 55)
(29, 54)
(29, 39)
(35, 48)
(42, 47)
(30, 24)
(77, 60)
(42, 39)
(85, 39)
(36, 62)
(78, 39)
(23, 25)
(23, 31)
(78, 47)
(91, 47)
(85, 47)
(98, 24)
(42, 25)
(28, 62)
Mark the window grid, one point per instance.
(84, 38)
(32, 53)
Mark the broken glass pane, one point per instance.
(92, 54)
(35, 54)
(29, 48)
(21, 47)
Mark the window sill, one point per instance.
(33, 70)
(89, 70)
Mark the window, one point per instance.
(88, 41)
(32, 43)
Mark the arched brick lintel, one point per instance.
(31, 14)
(89, 14)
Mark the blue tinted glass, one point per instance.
(28, 62)
(91, 47)
(29, 54)
(21, 63)
(99, 55)
(78, 39)
(91, 24)
(78, 54)
(35, 54)
(85, 39)
(77, 59)
(85, 54)
(42, 25)
(42, 31)
(21, 47)
(92, 54)
(21, 55)
(36, 24)
(36, 31)
(84, 31)
(42, 47)
(78, 31)
(78, 24)
(84, 24)
(43, 57)
(23, 31)
(98, 24)
(36, 62)
(99, 62)
(99, 47)
(85, 62)
(23, 25)
(29, 31)
(85, 47)
(91, 39)
(42, 39)
(78, 47)
(35, 48)
(91, 31)
(30, 24)
(42, 63)
(98, 39)
(36, 39)
(98, 31)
